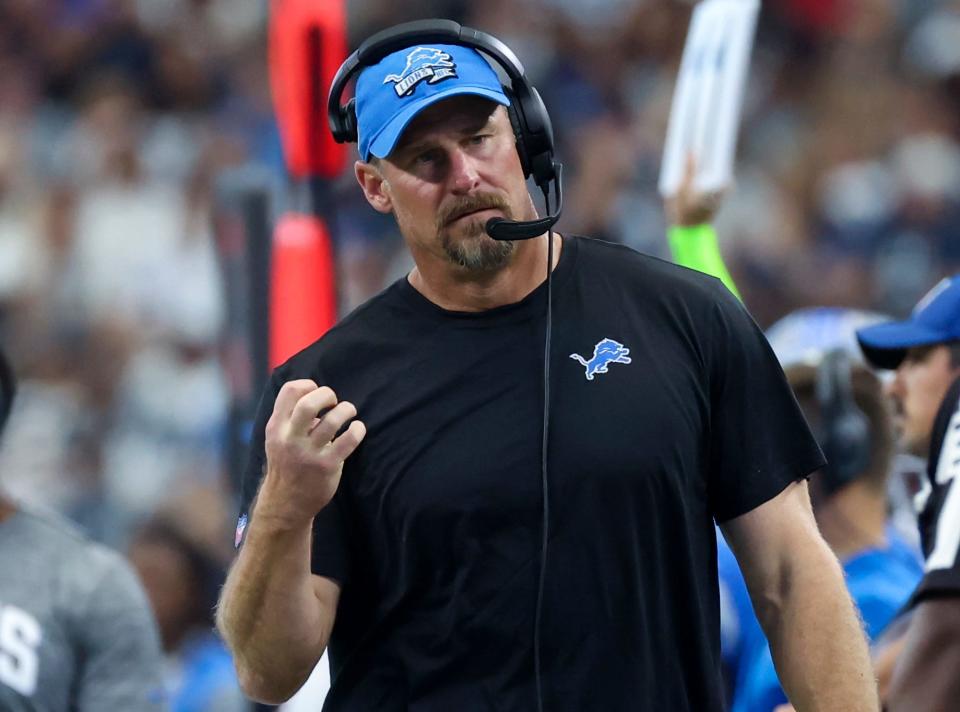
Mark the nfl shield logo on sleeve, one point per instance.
(241, 527)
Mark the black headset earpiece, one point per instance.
(349, 123)
(528, 115)
(534, 132)
(845, 436)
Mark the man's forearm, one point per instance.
(817, 639)
(269, 614)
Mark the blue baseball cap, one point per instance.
(401, 85)
(935, 320)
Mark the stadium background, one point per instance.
(122, 120)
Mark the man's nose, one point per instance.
(464, 176)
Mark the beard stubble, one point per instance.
(471, 248)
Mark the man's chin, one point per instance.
(478, 252)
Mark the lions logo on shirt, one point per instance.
(604, 353)
(427, 63)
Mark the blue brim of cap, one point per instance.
(384, 142)
(885, 345)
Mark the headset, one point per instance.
(534, 139)
(845, 431)
(8, 388)
(528, 114)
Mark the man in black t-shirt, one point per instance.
(412, 541)
(919, 671)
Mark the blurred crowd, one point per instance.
(118, 116)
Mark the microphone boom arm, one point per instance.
(503, 229)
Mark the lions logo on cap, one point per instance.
(422, 63)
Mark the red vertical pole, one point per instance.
(307, 43)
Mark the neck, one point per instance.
(7, 508)
(455, 289)
(853, 519)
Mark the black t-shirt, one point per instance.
(669, 410)
(939, 519)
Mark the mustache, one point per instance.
(470, 204)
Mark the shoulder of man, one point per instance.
(90, 570)
(105, 610)
(366, 322)
(87, 568)
(653, 272)
(55, 537)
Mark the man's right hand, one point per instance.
(304, 458)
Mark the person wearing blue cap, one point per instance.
(524, 518)
(918, 670)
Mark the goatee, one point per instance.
(472, 249)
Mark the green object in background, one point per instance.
(696, 247)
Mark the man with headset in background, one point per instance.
(847, 409)
(918, 658)
(530, 522)
(919, 670)
(76, 631)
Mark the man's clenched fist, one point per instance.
(304, 454)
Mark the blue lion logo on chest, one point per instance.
(427, 63)
(606, 352)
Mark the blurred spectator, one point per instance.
(182, 577)
(77, 632)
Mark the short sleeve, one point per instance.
(330, 555)
(759, 439)
(256, 455)
(122, 663)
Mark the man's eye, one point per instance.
(479, 139)
(426, 156)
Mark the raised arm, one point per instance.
(798, 591)
(692, 239)
(274, 614)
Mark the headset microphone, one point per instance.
(503, 229)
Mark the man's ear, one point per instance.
(374, 186)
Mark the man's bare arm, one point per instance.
(798, 592)
(274, 614)
(927, 673)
